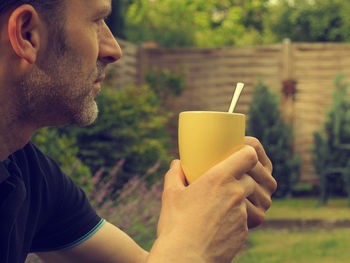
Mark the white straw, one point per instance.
(236, 94)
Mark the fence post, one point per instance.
(142, 64)
(288, 82)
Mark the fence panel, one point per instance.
(211, 74)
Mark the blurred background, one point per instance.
(294, 58)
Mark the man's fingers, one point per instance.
(175, 176)
(248, 185)
(264, 178)
(255, 143)
(256, 215)
(260, 198)
(234, 166)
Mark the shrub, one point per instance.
(130, 126)
(331, 151)
(64, 151)
(266, 124)
(165, 84)
(309, 21)
(136, 208)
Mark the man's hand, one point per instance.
(207, 221)
(260, 200)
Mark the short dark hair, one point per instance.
(48, 9)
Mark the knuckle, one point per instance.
(245, 232)
(267, 203)
(214, 176)
(238, 195)
(170, 192)
(270, 165)
(260, 217)
(251, 155)
(244, 220)
(167, 176)
(273, 185)
(241, 214)
(244, 214)
(254, 142)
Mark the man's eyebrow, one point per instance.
(104, 11)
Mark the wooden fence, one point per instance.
(301, 73)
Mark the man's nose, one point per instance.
(110, 50)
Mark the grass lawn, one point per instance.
(305, 208)
(301, 247)
(286, 246)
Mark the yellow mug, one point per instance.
(207, 138)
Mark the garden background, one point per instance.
(293, 57)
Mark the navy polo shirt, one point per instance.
(41, 209)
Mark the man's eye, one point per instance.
(99, 21)
(104, 19)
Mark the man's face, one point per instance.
(65, 80)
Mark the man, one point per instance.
(52, 58)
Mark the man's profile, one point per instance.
(53, 54)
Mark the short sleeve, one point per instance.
(70, 218)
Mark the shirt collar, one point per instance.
(7, 162)
(4, 173)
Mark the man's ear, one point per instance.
(23, 30)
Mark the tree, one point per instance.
(331, 151)
(194, 22)
(116, 20)
(309, 21)
(266, 124)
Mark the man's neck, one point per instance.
(14, 135)
(16, 128)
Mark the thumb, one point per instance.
(175, 176)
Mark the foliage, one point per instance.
(204, 23)
(130, 126)
(309, 21)
(266, 124)
(331, 151)
(64, 151)
(136, 208)
(230, 22)
(116, 21)
(194, 22)
(165, 84)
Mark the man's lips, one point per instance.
(100, 79)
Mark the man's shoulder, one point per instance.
(31, 150)
(32, 160)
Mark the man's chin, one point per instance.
(87, 116)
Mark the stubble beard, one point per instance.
(57, 92)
